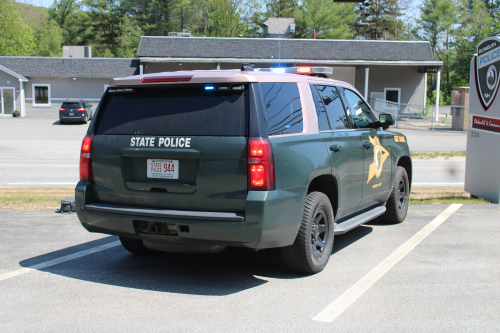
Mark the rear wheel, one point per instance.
(314, 242)
(86, 119)
(397, 205)
(135, 246)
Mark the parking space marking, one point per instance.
(437, 184)
(438, 167)
(40, 165)
(31, 183)
(56, 261)
(335, 309)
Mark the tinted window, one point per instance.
(334, 107)
(323, 123)
(175, 111)
(71, 105)
(283, 110)
(363, 115)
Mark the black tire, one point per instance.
(397, 205)
(61, 122)
(135, 246)
(314, 242)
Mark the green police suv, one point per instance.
(197, 161)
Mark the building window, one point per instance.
(41, 95)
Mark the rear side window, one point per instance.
(334, 108)
(71, 105)
(283, 110)
(188, 110)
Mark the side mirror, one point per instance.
(386, 120)
(90, 105)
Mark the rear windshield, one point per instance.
(71, 105)
(188, 110)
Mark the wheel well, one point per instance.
(405, 162)
(326, 184)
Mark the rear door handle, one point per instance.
(367, 145)
(335, 148)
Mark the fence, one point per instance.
(420, 117)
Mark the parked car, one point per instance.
(75, 111)
(196, 161)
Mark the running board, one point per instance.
(356, 221)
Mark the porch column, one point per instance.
(438, 86)
(425, 90)
(367, 74)
(22, 98)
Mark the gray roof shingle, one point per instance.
(71, 67)
(270, 48)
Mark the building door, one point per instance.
(392, 96)
(7, 100)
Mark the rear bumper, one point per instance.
(271, 219)
(78, 117)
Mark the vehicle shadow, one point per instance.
(57, 123)
(225, 273)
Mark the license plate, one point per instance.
(167, 169)
(71, 114)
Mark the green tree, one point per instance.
(50, 39)
(378, 19)
(226, 18)
(280, 8)
(331, 20)
(128, 40)
(476, 24)
(155, 17)
(16, 38)
(436, 18)
(105, 17)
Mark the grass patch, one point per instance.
(34, 198)
(448, 200)
(426, 155)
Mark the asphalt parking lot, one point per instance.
(437, 271)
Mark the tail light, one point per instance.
(81, 109)
(62, 110)
(85, 159)
(260, 165)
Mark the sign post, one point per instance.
(482, 172)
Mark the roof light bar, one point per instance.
(166, 79)
(299, 70)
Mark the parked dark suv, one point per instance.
(199, 160)
(78, 111)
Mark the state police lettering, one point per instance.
(162, 142)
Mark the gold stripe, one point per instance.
(377, 185)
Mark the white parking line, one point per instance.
(437, 184)
(56, 261)
(335, 309)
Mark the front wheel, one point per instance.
(397, 205)
(314, 242)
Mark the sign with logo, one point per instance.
(485, 79)
(487, 70)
